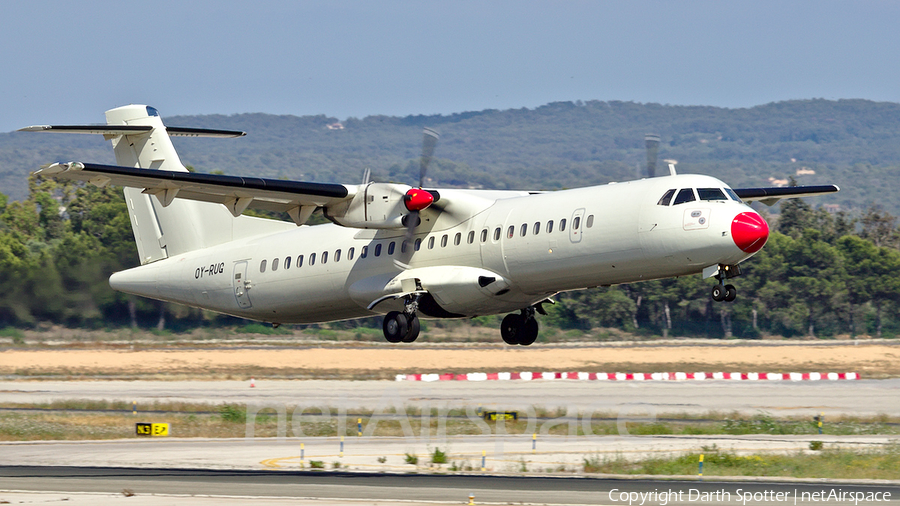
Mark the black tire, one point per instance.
(718, 293)
(413, 332)
(510, 328)
(395, 326)
(730, 293)
(529, 332)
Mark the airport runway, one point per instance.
(247, 487)
(272, 468)
(779, 398)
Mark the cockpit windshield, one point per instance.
(733, 195)
(711, 194)
(685, 195)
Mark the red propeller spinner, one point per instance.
(418, 199)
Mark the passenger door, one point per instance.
(576, 225)
(241, 285)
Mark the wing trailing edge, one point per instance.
(770, 196)
(116, 130)
(297, 198)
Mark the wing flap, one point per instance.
(236, 193)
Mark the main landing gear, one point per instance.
(520, 328)
(721, 291)
(403, 327)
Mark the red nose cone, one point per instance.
(749, 231)
(418, 199)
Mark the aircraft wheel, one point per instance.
(529, 332)
(718, 293)
(730, 293)
(413, 332)
(510, 327)
(396, 326)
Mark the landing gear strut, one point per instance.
(519, 328)
(403, 327)
(721, 291)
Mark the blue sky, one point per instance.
(67, 62)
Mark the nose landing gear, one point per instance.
(722, 292)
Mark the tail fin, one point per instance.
(163, 226)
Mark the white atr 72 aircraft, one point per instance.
(391, 248)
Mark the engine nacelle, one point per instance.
(376, 205)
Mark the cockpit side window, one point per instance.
(666, 198)
(733, 195)
(684, 195)
(711, 194)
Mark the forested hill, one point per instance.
(852, 143)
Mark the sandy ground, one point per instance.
(870, 359)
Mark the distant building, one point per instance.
(335, 126)
(831, 208)
(805, 171)
(778, 182)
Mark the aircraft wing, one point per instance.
(770, 196)
(236, 193)
(116, 130)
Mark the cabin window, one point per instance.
(562, 225)
(312, 259)
(337, 256)
(287, 262)
(590, 221)
(403, 247)
(510, 232)
(274, 265)
(299, 261)
(431, 242)
(262, 266)
(666, 198)
(324, 257)
(576, 222)
(484, 235)
(418, 244)
(497, 234)
(684, 195)
(364, 252)
(378, 250)
(444, 241)
(391, 248)
(550, 226)
(711, 194)
(457, 239)
(523, 229)
(537, 228)
(350, 253)
(471, 238)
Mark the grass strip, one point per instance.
(838, 463)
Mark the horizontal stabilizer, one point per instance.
(771, 195)
(132, 130)
(236, 193)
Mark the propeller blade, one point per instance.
(417, 200)
(429, 141)
(408, 247)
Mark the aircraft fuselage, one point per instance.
(531, 245)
